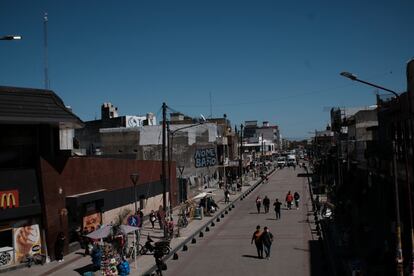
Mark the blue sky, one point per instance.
(260, 60)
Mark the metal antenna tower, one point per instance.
(45, 49)
(211, 107)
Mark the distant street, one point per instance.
(226, 249)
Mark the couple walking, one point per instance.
(263, 241)
(266, 204)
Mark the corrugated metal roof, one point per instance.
(33, 106)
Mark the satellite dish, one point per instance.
(202, 117)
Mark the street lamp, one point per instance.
(170, 134)
(11, 37)
(399, 256)
(355, 78)
(181, 169)
(134, 178)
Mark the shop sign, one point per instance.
(205, 157)
(9, 199)
(26, 241)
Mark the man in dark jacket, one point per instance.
(256, 238)
(266, 204)
(277, 206)
(267, 239)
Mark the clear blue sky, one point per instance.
(263, 60)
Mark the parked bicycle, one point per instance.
(129, 251)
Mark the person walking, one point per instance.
(267, 239)
(59, 247)
(258, 203)
(277, 206)
(152, 218)
(289, 199)
(226, 196)
(296, 196)
(266, 204)
(161, 217)
(256, 238)
(141, 218)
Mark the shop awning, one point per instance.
(91, 196)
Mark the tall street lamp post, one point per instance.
(399, 255)
(181, 169)
(171, 145)
(134, 178)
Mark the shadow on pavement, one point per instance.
(86, 268)
(318, 260)
(250, 256)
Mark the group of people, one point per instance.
(290, 198)
(264, 239)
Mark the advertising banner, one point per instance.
(92, 222)
(26, 241)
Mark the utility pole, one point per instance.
(399, 255)
(163, 173)
(241, 155)
(263, 158)
(45, 20)
(169, 153)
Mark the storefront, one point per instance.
(21, 230)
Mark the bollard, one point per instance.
(175, 256)
(226, 212)
(185, 247)
(207, 229)
(232, 206)
(222, 216)
(201, 234)
(193, 240)
(218, 219)
(212, 224)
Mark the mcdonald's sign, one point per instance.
(9, 199)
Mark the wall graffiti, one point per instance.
(205, 157)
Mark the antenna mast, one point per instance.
(211, 107)
(45, 49)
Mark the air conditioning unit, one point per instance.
(6, 256)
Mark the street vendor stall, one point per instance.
(107, 254)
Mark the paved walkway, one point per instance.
(75, 263)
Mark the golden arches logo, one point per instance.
(9, 199)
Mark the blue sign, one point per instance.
(133, 221)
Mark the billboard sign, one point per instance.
(92, 222)
(205, 157)
(26, 241)
(9, 199)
